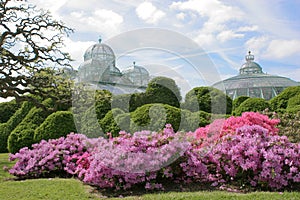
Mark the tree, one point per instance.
(30, 41)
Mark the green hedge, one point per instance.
(207, 99)
(252, 104)
(109, 124)
(163, 90)
(22, 135)
(281, 100)
(9, 126)
(7, 110)
(237, 102)
(154, 117)
(56, 125)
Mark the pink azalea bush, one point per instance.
(254, 157)
(220, 127)
(247, 150)
(47, 157)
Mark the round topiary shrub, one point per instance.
(109, 124)
(237, 102)
(294, 101)
(7, 109)
(281, 100)
(154, 117)
(163, 90)
(208, 99)
(252, 104)
(11, 124)
(58, 124)
(23, 134)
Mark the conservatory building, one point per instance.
(253, 82)
(99, 71)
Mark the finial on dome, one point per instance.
(99, 39)
(249, 57)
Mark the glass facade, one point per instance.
(253, 82)
(99, 68)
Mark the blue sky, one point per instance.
(225, 30)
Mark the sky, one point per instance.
(196, 42)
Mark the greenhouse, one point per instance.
(253, 82)
(100, 72)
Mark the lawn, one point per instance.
(58, 188)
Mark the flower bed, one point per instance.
(245, 150)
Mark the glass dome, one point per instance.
(99, 63)
(137, 75)
(252, 82)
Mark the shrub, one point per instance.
(9, 126)
(220, 127)
(208, 99)
(123, 121)
(53, 158)
(7, 109)
(89, 123)
(281, 100)
(56, 125)
(237, 102)
(294, 104)
(252, 104)
(289, 125)
(163, 90)
(102, 103)
(154, 117)
(255, 158)
(108, 123)
(23, 134)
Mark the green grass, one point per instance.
(58, 188)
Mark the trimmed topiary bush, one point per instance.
(109, 124)
(281, 101)
(9, 126)
(102, 103)
(237, 102)
(7, 109)
(252, 104)
(163, 90)
(154, 117)
(58, 124)
(207, 99)
(23, 134)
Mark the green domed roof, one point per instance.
(253, 82)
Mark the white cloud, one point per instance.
(149, 13)
(247, 28)
(76, 49)
(283, 48)
(104, 21)
(228, 35)
(53, 6)
(217, 12)
(257, 44)
(215, 17)
(180, 16)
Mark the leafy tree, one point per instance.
(30, 40)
